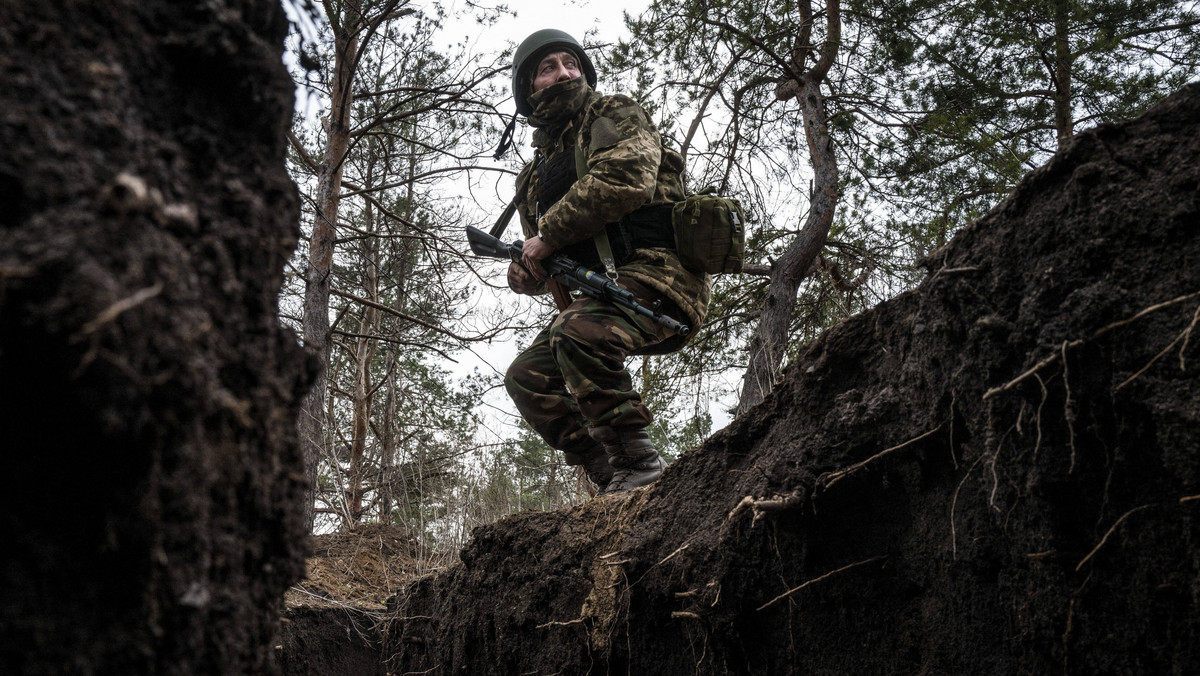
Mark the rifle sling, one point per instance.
(505, 217)
(607, 260)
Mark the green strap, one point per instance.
(603, 246)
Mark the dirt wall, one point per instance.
(147, 392)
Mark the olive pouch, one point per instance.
(710, 233)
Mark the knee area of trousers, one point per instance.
(592, 334)
(516, 380)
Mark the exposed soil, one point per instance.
(332, 619)
(148, 394)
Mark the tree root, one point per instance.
(1188, 334)
(578, 620)
(761, 506)
(1185, 337)
(816, 580)
(1068, 414)
(954, 504)
(116, 309)
(1109, 533)
(831, 478)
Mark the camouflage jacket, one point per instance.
(627, 168)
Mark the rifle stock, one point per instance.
(574, 276)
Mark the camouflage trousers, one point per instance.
(573, 375)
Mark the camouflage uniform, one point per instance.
(573, 375)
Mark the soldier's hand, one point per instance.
(521, 281)
(532, 253)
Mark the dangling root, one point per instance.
(1109, 533)
(1188, 337)
(1068, 414)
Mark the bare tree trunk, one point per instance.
(364, 390)
(388, 454)
(1064, 124)
(770, 340)
(313, 426)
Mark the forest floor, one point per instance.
(361, 568)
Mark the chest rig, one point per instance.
(614, 245)
(553, 178)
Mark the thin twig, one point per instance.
(952, 271)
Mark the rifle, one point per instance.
(573, 275)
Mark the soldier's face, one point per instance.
(555, 67)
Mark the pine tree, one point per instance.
(916, 116)
(985, 91)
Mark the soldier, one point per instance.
(600, 189)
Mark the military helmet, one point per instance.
(535, 47)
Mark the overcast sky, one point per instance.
(576, 17)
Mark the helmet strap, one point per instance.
(506, 138)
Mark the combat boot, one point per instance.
(633, 457)
(594, 462)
